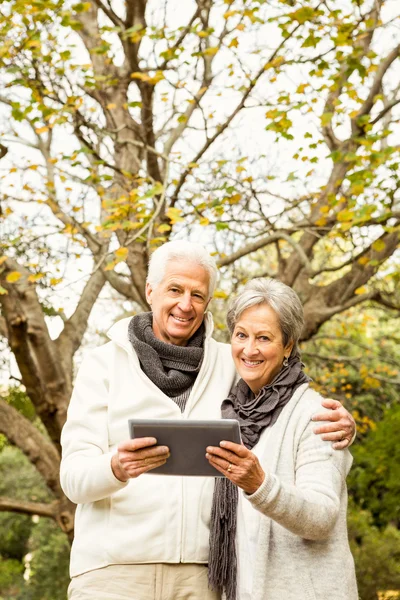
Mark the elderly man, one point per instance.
(137, 536)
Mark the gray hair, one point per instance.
(184, 251)
(280, 297)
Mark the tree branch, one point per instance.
(3, 151)
(41, 366)
(114, 18)
(71, 337)
(28, 508)
(377, 83)
(221, 128)
(261, 243)
(40, 451)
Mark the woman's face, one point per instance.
(257, 346)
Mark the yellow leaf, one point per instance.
(121, 253)
(321, 222)
(220, 294)
(301, 88)
(234, 43)
(55, 280)
(163, 228)
(13, 170)
(363, 260)
(110, 266)
(235, 199)
(345, 215)
(35, 277)
(379, 245)
(174, 215)
(41, 129)
(111, 106)
(204, 221)
(361, 290)
(3, 292)
(211, 51)
(3, 259)
(13, 276)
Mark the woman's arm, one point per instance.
(311, 506)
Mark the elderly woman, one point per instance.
(285, 537)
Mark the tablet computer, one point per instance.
(187, 441)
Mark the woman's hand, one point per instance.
(138, 456)
(239, 465)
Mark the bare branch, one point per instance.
(124, 287)
(28, 508)
(114, 18)
(377, 83)
(3, 327)
(221, 128)
(180, 39)
(385, 110)
(71, 337)
(263, 242)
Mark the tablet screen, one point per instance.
(187, 441)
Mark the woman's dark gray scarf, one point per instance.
(254, 414)
(171, 368)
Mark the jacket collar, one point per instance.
(118, 333)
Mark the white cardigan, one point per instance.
(302, 549)
(153, 518)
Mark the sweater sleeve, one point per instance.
(310, 507)
(86, 474)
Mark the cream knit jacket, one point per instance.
(303, 551)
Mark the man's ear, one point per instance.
(149, 291)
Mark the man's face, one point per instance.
(179, 301)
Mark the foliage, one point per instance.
(375, 478)
(11, 578)
(48, 569)
(20, 535)
(376, 554)
(356, 358)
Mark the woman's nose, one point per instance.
(251, 348)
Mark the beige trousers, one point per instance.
(143, 582)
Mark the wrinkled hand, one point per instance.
(342, 427)
(238, 464)
(138, 456)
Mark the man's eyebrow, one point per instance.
(174, 284)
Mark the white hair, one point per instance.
(183, 251)
(280, 297)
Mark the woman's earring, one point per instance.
(285, 361)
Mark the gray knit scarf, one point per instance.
(254, 414)
(173, 369)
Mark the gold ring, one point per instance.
(229, 469)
